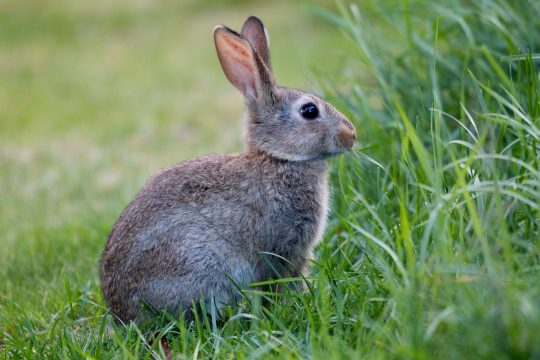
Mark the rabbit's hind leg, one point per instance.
(210, 271)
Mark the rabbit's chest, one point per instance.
(294, 217)
(280, 211)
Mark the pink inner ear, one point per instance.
(237, 47)
(239, 66)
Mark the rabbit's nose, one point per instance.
(346, 135)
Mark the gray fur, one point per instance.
(200, 224)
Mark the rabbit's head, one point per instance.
(284, 123)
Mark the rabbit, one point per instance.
(200, 230)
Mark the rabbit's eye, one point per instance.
(309, 111)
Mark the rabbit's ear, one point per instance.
(243, 66)
(255, 32)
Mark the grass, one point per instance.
(432, 248)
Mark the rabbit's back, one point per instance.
(194, 225)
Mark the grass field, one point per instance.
(432, 249)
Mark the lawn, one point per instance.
(432, 248)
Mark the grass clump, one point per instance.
(442, 203)
(432, 248)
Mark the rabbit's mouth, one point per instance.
(346, 137)
(329, 154)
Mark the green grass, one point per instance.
(432, 249)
